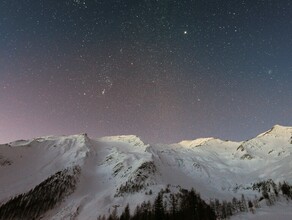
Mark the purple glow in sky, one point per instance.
(163, 70)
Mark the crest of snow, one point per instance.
(127, 139)
(278, 130)
(196, 142)
(272, 144)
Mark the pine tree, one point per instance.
(285, 188)
(235, 206)
(158, 207)
(137, 213)
(229, 210)
(250, 206)
(126, 214)
(243, 206)
(173, 206)
(192, 197)
(224, 210)
(217, 207)
(114, 215)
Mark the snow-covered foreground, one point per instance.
(280, 211)
(118, 170)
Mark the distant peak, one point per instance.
(278, 130)
(132, 139)
(279, 127)
(122, 137)
(196, 142)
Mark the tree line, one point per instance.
(45, 196)
(185, 205)
(188, 205)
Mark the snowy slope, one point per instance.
(123, 169)
(281, 211)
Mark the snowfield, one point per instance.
(118, 170)
(281, 211)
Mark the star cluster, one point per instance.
(164, 70)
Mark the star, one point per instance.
(157, 69)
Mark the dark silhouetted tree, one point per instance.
(126, 213)
(158, 207)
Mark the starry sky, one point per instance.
(165, 70)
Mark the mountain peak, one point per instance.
(278, 130)
(131, 139)
(280, 127)
(118, 170)
(196, 142)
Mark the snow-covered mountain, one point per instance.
(113, 171)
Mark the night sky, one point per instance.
(163, 70)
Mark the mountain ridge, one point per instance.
(117, 170)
